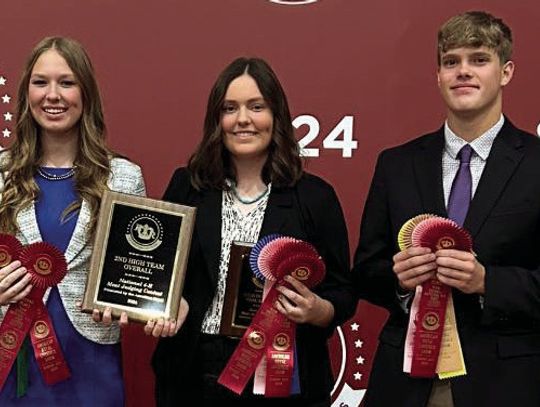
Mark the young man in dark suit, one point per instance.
(496, 289)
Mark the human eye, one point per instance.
(229, 108)
(449, 62)
(480, 59)
(38, 82)
(68, 83)
(258, 106)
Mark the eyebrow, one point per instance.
(258, 99)
(42, 75)
(472, 54)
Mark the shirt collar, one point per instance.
(481, 145)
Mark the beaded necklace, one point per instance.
(54, 177)
(248, 201)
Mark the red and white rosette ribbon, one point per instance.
(47, 266)
(428, 313)
(271, 334)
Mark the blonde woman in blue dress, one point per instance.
(53, 176)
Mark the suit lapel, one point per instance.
(276, 213)
(209, 230)
(209, 223)
(428, 174)
(28, 227)
(79, 238)
(504, 157)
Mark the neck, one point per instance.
(248, 176)
(59, 150)
(471, 126)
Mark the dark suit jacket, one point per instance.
(501, 341)
(309, 211)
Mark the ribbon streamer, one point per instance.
(46, 266)
(270, 333)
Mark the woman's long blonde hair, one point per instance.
(22, 158)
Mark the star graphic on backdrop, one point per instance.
(355, 326)
(2, 80)
(8, 116)
(358, 376)
(360, 360)
(6, 133)
(358, 343)
(6, 99)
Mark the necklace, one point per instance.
(248, 201)
(54, 177)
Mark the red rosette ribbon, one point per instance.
(435, 233)
(270, 333)
(45, 263)
(10, 248)
(440, 233)
(47, 266)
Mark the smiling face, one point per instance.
(246, 119)
(54, 95)
(471, 81)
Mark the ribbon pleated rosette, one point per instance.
(10, 249)
(46, 266)
(271, 336)
(432, 321)
(405, 233)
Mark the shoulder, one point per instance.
(181, 175)
(4, 156)
(126, 176)
(313, 184)
(315, 193)
(4, 165)
(121, 165)
(413, 145)
(180, 187)
(526, 138)
(512, 138)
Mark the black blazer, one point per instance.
(309, 211)
(501, 340)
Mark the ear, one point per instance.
(507, 73)
(439, 76)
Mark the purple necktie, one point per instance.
(460, 194)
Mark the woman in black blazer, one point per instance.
(246, 180)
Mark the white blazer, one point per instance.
(125, 177)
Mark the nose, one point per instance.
(464, 70)
(243, 116)
(52, 93)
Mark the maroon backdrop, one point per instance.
(361, 73)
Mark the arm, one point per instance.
(176, 191)
(333, 301)
(372, 268)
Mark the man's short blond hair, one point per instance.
(475, 29)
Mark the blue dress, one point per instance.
(96, 372)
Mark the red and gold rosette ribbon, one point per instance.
(271, 334)
(10, 249)
(435, 233)
(47, 266)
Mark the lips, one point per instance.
(55, 110)
(464, 86)
(244, 133)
